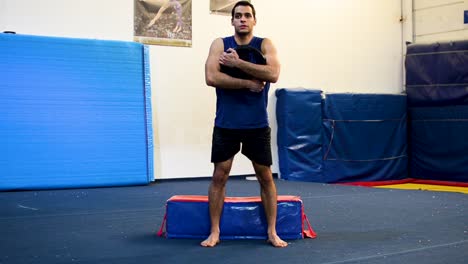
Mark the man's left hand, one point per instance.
(229, 58)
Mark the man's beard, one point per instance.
(242, 33)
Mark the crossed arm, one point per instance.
(262, 73)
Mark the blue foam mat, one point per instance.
(439, 149)
(239, 220)
(299, 116)
(364, 137)
(437, 74)
(73, 113)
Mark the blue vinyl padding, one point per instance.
(299, 116)
(439, 145)
(239, 220)
(148, 112)
(437, 74)
(364, 137)
(73, 113)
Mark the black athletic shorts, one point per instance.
(255, 144)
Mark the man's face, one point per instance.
(243, 20)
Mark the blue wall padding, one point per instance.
(439, 145)
(437, 74)
(239, 220)
(73, 113)
(364, 137)
(299, 116)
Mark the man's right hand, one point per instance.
(255, 86)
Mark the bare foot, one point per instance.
(276, 241)
(211, 241)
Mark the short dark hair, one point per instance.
(243, 3)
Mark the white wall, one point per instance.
(104, 19)
(439, 20)
(333, 45)
(2, 14)
(407, 22)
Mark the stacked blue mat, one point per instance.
(341, 138)
(364, 137)
(299, 116)
(73, 113)
(437, 88)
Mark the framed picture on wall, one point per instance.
(163, 22)
(222, 7)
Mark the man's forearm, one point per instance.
(221, 80)
(261, 72)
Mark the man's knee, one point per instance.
(221, 173)
(265, 179)
(264, 174)
(220, 177)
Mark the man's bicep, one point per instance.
(212, 66)
(271, 54)
(272, 61)
(216, 50)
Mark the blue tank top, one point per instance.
(241, 109)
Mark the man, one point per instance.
(241, 117)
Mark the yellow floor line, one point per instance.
(426, 187)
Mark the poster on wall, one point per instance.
(222, 7)
(163, 22)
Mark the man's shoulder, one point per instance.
(223, 39)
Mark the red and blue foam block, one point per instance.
(187, 216)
